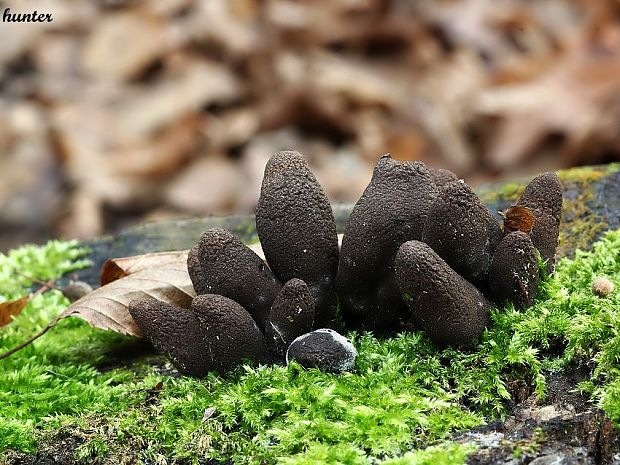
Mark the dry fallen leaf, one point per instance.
(117, 268)
(12, 308)
(107, 307)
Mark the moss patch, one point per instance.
(400, 406)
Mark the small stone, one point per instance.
(556, 458)
(75, 290)
(324, 349)
(602, 286)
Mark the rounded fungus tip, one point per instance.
(462, 230)
(514, 273)
(602, 286)
(221, 264)
(442, 177)
(292, 315)
(443, 303)
(297, 231)
(165, 325)
(543, 196)
(230, 335)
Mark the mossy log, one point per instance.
(591, 206)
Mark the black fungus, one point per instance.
(462, 230)
(216, 334)
(296, 227)
(444, 304)
(324, 349)
(230, 334)
(442, 177)
(292, 314)
(514, 273)
(221, 264)
(176, 332)
(543, 195)
(392, 210)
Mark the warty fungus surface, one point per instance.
(420, 250)
(392, 210)
(297, 231)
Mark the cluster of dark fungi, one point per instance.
(419, 251)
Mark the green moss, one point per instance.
(400, 406)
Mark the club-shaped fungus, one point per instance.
(443, 303)
(222, 264)
(296, 227)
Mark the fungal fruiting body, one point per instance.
(462, 230)
(514, 273)
(292, 315)
(174, 331)
(444, 304)
(419, 250)
(230, 333)
(392, 210)
(215, 334)
(297, 231)
(543, 196)
(222, 264)
(442, 177)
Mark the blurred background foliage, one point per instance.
(118, 111)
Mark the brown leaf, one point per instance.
(107, 307)
(12, 308)
(117, 268)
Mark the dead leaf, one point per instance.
(107, 307)
(117, 268)
(12, 308)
